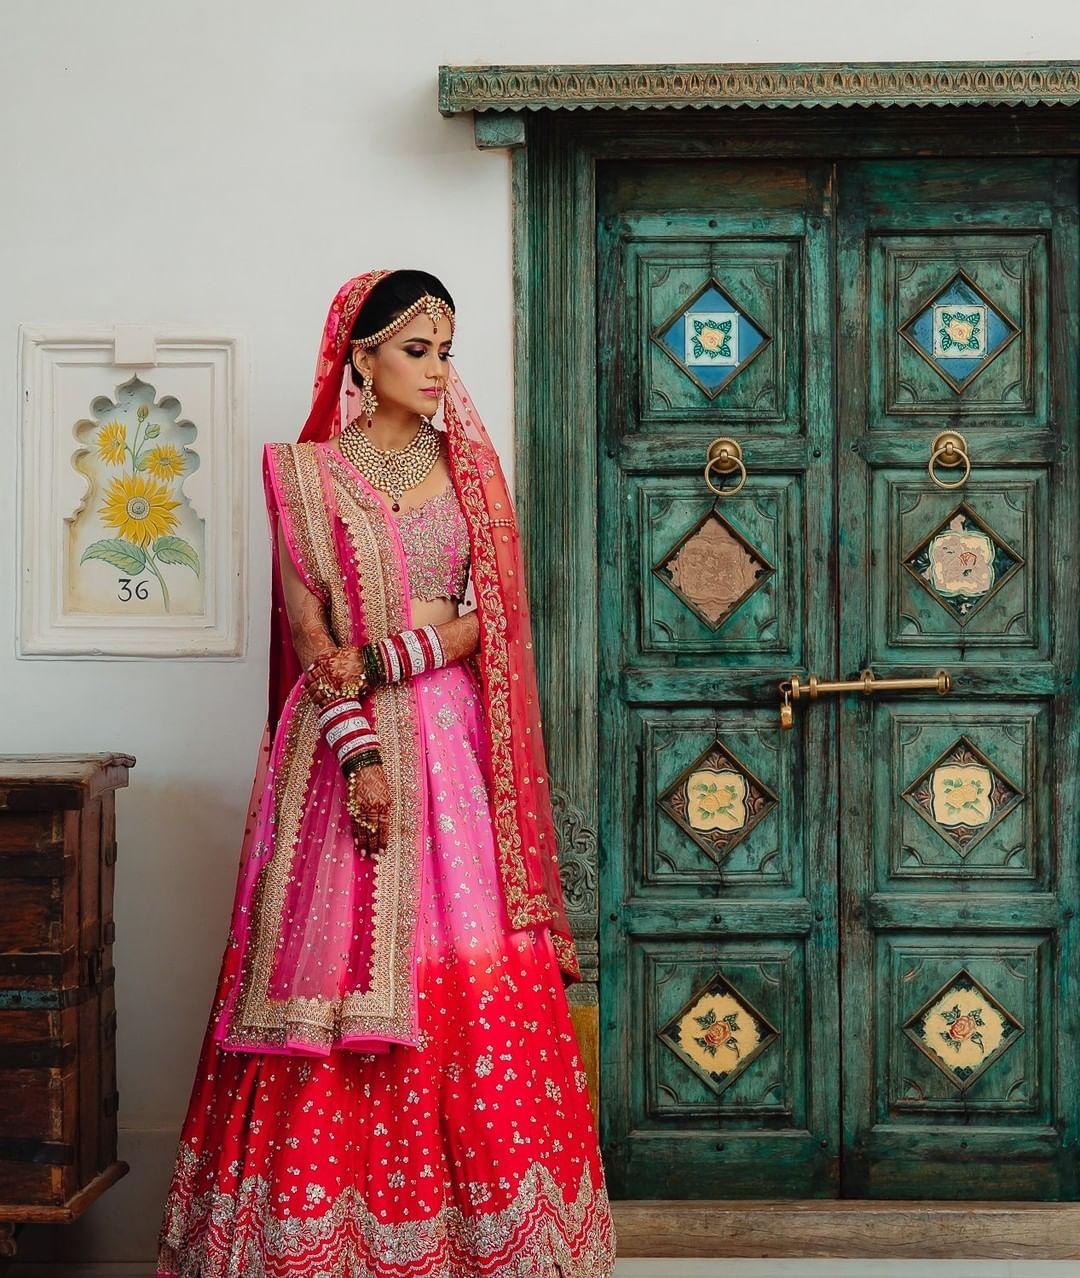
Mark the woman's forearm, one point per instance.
(306, 612)
(408, 653)
(460, 637)
(399, 656)
(310, 633)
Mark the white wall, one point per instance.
(228, 163)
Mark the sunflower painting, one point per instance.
(137, 477)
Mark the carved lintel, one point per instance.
(809, 84)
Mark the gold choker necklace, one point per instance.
(393, 470)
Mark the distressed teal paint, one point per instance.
(914, 910)
(35, 999)
(765, 917)
(576, 465)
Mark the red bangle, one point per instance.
(346, 729)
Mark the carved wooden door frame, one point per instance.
(559, 124)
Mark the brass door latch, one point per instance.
(868, 683)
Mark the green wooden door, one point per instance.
(838, 960)
(957, 288)
(719, 995)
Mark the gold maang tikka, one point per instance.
(432, 306)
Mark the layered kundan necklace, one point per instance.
(393, 470)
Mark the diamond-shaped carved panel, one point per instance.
(959, 330)
(963, 563)
(963, 795)
(713, 569)
(963, 1029)
(717, 1033)
(717, 801)
(711, 338)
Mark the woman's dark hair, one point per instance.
(393, 294)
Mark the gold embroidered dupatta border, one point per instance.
(385, 1009)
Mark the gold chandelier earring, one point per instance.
(368, 401)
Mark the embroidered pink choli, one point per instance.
(435, 539)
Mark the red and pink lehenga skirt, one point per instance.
(473, 1153)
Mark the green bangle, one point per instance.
(365, 759)
(373, 666)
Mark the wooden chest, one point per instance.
(58, 1093)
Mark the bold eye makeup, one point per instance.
(417, 351)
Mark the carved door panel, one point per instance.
(718, 928)
(838, 960)
(958, 298)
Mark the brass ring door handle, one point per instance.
(950, 449)
(724, 456)
(868, 683)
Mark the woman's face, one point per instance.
(410, 369)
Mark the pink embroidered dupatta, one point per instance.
(320, 950)
(323, 940)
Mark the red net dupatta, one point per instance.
(525, 831)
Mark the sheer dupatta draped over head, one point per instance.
(521, 805)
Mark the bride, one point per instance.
(389, 1082)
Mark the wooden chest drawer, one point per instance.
(58, 1092)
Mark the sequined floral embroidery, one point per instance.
(435, 539)
(471, 1152)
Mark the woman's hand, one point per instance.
(334, 672)
(369, 806)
